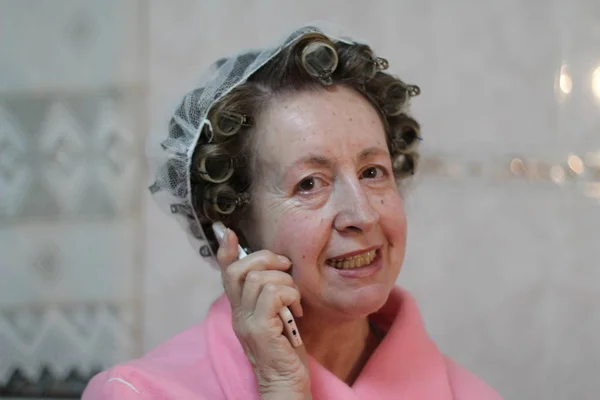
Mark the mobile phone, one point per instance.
(289, 324)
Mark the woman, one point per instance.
(301, 151)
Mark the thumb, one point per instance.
(228, 248)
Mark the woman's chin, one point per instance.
(364, 301)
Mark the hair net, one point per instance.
(170, 158)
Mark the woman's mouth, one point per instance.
(356, 261)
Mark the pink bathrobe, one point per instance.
(207, 362)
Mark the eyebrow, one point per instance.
(315, 160)
(320, 161)
(372, 152)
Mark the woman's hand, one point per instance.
(258, 288)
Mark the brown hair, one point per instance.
(222, 170)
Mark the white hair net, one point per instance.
(170, 158)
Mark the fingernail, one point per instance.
(225, 239)
(284, 260)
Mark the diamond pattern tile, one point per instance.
(62, 144)
(15, 172)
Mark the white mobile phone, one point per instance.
(289, 324)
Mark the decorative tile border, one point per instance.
(66, 157)
(39, 342)
(70, 156)
(47, 386)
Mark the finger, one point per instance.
(296, 308)
(234, 276)
(228, 249)
(272, 302)
(273, 298)
(254, 282)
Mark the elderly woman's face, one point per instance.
(326, 198)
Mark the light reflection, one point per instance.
(584, 170)
(596, 82)
(517, 167)
(565, 83)
(557, 174)
(575, 164)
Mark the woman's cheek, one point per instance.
(396, 230)
(276, 218)
(301, 236)
(291, 232)
(390, 208)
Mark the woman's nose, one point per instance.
(353, 208)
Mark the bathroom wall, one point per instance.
(504, 216)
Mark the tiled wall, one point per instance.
(72, 93)
(503, 251)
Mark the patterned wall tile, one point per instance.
(71, 75)
(62, 150)
(76, 261)
(116, 144)
(75, 156)
(59, 339)
(48, 264)
(15, 173)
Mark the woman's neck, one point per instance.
(342, 346)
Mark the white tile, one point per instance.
(70, 44)
(78, 261)
(479, 259)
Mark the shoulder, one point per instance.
(119, 382)
(179, 369)
(467, 386)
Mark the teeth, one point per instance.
(356, 261)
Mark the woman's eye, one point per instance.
(309, 184)
(373, 173)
